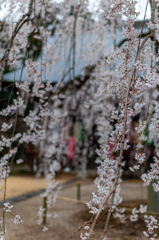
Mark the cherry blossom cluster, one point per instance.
(120, 87)
(152, 224)
(7, 207)
(126, 88)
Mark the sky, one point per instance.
(141, 8)
(141, 5)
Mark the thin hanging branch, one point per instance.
(25, 18)
(123, 133)
(98, 214)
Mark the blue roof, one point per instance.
(84, 42)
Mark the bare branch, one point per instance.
(100, 209)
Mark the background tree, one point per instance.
(117, 91)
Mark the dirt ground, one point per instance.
(17, 185)
(71, 215)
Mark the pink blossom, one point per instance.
(18, 161)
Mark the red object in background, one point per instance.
(111, 151)
(31, 150)
(71, 148)
(132, 132)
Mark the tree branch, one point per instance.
(18, 26)
(123, 133)
(140, 36)
(100, 209)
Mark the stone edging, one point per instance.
(32, 194)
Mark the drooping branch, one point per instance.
(25, 18)
(100, 209)
(124, 132)
(140, 36)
